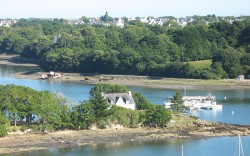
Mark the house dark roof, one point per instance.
(115, 96)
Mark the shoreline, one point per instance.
(143, 81)
(16, 60)
(127, 80)
(19, 143)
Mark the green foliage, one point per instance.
(83, 115)
(3, 131)
(138, 48)
(231, 61)
(157, 116)
(178, 102)
(141, 102)
(100, 107)
(43, 108)
(106, 18)
(107, 88)
(200, 64)
(127, 117)
(48, 110)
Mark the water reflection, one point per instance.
(202, 147)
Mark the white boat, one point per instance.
(201, 102)
(197, 102)
(168, 104)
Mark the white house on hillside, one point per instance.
(121, 99)
(120, 23)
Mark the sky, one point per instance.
(121, 8)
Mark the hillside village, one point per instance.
(121, 22)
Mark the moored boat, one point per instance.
(197, 102)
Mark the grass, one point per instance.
(182, 120)
(192, 82)
(200, 64)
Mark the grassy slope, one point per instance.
(200, 64)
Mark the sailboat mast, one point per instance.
(240, 148)
(239, 145)
(182, 151)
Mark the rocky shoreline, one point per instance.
(16, 143)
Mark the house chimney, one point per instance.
(129, 93)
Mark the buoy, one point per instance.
(232, 112)
(225, 98)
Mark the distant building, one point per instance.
(120, 23)
(120, 99)
(240, 77)
(144, 20)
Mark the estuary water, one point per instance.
(236, 109)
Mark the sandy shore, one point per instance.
(16, 143)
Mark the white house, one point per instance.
(120, 23)
(121, 99)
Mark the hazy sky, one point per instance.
(121, 8)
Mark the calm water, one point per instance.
(237, 101)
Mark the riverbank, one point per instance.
(128, 80)
(144, 81)
(193, 129)
(16, 60)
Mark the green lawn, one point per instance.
(201, 64)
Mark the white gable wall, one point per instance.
(126, 104)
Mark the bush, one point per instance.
(12, 129)
(127, 117)
(157, 116)
(3, 130)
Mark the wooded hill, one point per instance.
(138, 48)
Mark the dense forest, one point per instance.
(24, 108)
(138, 48)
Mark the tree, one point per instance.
(107, 88)
(244, 38)
(112, 40)
(83, 115)
(178, 101)
(127, 117)
(3, 131)
(100, 107)
(3, 121)
(48, 111)
(18, 102)
(85, 19)
(157, 116)
(230, 60)
(106, 18)
(141, 102)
